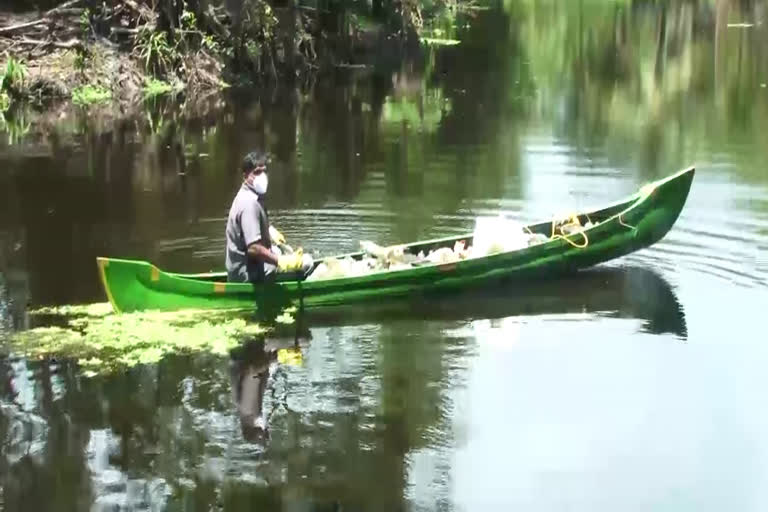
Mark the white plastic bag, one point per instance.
(497, 234)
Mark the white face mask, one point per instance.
(259, 183)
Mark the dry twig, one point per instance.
(20, 26)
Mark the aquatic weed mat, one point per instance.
(103, 342)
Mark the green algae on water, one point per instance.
(102, 342)
(98, 309)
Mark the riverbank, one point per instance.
(117, 54)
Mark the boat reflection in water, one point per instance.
(618, 292)
(613, 292)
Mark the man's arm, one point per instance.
(258, 252)
(249, 223)
(276, 236)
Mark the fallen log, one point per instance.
(61, 9)
(125, 30)
(72, 43)
(20, 26)
(65, 5)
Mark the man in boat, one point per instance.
(252, 252)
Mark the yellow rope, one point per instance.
(630, 226)
(572, 219)
(565, 237)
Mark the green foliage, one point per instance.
(12, 78)
(90, 94)
(210, 43)
(155, 51)
(154, 87)
(81, 60)
(14, 122)
(85, 22)
(82, 54)
(259, 24)
(253, 49)
(260, 15)
(188, 19)
(155, 122)
(188, 22)
(5, 101)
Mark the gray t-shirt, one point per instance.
(247, 223)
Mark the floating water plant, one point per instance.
(102, 342)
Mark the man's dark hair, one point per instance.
(254, 159)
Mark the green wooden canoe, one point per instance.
(619, 229)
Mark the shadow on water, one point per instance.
(616, 292)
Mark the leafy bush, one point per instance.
(89, 94)
(154, 87)
(155, 51)
(12, 78)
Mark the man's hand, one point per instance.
(289, 262)
(294, 262)
(258, 252)
(276, 236)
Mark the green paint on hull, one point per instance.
(621, 228)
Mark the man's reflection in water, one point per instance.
(251, 367)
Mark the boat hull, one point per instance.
(624, 227)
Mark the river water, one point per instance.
(636, 386)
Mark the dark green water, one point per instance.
(637, 386)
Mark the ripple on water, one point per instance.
(732, 250)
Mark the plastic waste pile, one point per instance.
(491, 235)
(375, 259)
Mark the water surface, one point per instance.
(635, 386)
